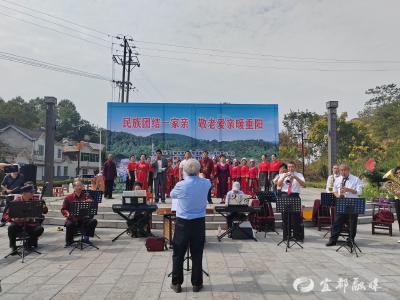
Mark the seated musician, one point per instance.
(11, 184)
(32, 226)
(290, 184)
(232, 197)
(72, 223)
(141, 219)
(346, 186)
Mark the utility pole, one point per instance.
(129, 76)
(332, 139)
(127, 64)
(123, 70)
(49, 144)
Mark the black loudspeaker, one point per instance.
(244, 233)
(29, 172)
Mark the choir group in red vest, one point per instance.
(221, 171)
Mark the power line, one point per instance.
(268, 55)
(59, 18)
(146, 78)
(268, 59)
(55, 23)
(49, 66)
(55, 30)
(269, 67)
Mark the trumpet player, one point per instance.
(345, 186)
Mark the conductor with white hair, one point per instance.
(190, 226)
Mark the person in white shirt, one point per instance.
(330, 182)
(282, 171)
(233, 197)
(188, 155)
(291, 184)
(346, 186)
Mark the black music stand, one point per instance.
(350, 206)
(187, 259)
(97, 197)
(25, 209)
(132, 224)
(329, 200)
(266, 196)
(87, 209)
(288, 205)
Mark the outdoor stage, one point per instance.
(108, 219)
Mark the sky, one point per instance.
(297, 54)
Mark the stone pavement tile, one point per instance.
(120, 262)
(222, 296)
(97, 291)
(222, 283)
(109, 276)
(247, 296)
(29, 285)
(275, 295)
(105, 258)
(78, 285)
(63, 277)
(51, 269)
(154, 275)
(172, 295)
(206, 295)
(148, 291)
(127, 283)
(268, 282)
(136, 268)
(382, 296)
(117, 295)
(93, 270)
(46, 292)
(10, 296)
(17, 277)
(67, 296)
(80, 263)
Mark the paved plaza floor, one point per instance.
(239, 269)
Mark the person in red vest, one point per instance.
(131, 173)
(263, 174)
(170, 178)
(142, 172)
(229, 163)
(274, 167)
(253, 178)
(244, 176)
(207, 169)
(176, 171)
(235, 174)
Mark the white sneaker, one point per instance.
(398, 241)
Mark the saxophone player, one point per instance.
(332, 178)
(345, 186)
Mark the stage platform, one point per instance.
(108, 219)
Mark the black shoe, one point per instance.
(331, 243)
(163, 201)
(68, 244)
(176, 287)
(3, 223)
(197, 288)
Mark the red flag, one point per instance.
(370, 165)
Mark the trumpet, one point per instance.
(392, 183)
